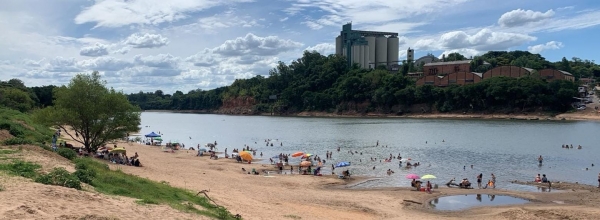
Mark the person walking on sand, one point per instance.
(479, 179)
(493, 181)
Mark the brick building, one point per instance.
(445, 68)
(552, 74)
(508, 71)
(458, 78)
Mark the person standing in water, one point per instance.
(540, 159)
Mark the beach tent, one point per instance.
(118, 150)
(342, 164)
(152, 134)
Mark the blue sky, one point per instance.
(189, 44)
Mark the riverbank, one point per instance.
(582, 115)
(327, 197)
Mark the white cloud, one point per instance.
(323, 48)
(521, 17)
(465, 52)
(158, 61)
(367, 13)
(94, 51)
(117, 13)
(482, 40)
(103, 64)
(552, 45)
(146, 40)
(204, 58)
(255, 45)
(284, 19)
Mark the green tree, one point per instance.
(97, 114)
(15, 98)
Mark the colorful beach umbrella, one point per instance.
(412, 176)
(297, 154)
(428, 176)
(246, 155)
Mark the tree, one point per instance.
(15, 98)
(97, 114)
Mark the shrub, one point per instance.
(21, 168)
(45, 147)
(84, 173)
(59, 177)
(67, 153)
(16, 141)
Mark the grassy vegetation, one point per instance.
(20, 126)
(93, 172)
(148, 191)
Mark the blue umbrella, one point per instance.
(342, 164)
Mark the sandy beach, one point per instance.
(312, 197)
(281, 196)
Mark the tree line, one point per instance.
(325, 83)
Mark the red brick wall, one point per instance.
(551, 74)
(509, 71)
(428, 80)
(446, 69)
(462, 78)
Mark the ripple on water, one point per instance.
(459, 202)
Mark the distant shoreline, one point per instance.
(576, 116)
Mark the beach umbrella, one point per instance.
(118, 150)
(306, 155)
(412, 176)
(305, 164)
(342, 164)
(428, 176)
(297, 154)
(246, 155)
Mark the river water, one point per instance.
(507, 148)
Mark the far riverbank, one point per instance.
(587, 115)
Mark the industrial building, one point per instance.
(367, 48)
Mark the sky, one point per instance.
(183, 45)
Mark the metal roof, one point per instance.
(565, 72)
(448, 63)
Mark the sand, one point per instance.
(278, 197)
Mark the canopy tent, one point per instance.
(342, 164)
(152, 134)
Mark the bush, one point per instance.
(60, 177)
(67, 153)
(16, 141)
(21, 168)
(45, 147)
(84, 173)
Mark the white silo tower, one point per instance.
(338, 45)
(356, 54)
(392, 50)
(381, 50)
(371, 42)
(365, 60)
(361, 55)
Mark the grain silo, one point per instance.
(371, 43)
(361, 55)
(392, 50)
(381, 50)
(338, 45)
(356, 54)
(365, 56)
(367, 48)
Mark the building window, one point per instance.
(469, 80)
(456, 68)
